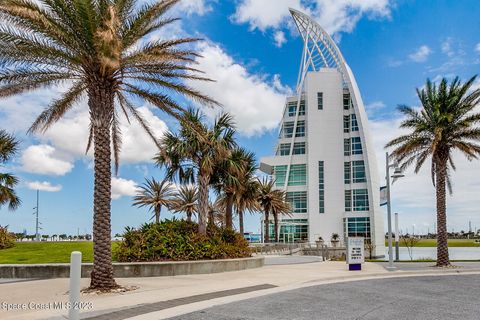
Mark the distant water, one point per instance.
(456, 253)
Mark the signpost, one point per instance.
(355, 253)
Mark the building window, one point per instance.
(356, 145)
(346, 147)
(297, 175)
(299, 148)
(300, 132)
(283, 149)
(346, 124)
(358, 172)
(348, 200)
(360, 200)
(287, 129)
(347, 173)
(346, 101)
(291, 230)
(280, 173)
(298, 201)
(358, 227)
(320, 100)
(354, 122)
(321, 187)
(292, 108)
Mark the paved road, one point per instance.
(422, 298)
(284, 260)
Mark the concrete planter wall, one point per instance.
(134, 269)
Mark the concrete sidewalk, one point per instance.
(273, 278)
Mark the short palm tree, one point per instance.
(185, 201)
(102, 50)
(216, 213)
(246, 199)
(8, 148)
(271, 201)
(447, 122)
(155, 195)
(193, 154)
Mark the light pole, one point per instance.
(396, 174)
(397, 238)
(37, 226)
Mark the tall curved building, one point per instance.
(324, 157)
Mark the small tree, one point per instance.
(370, 247)
(409, 242)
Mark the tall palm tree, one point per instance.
(216, 213)
(246, 199)
(8, 148)
(228, 178)
(446, 123)
(103, 50)
(194, 153)
(185, 200)
(272, 201)
(155, 195)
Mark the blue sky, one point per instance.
(253, 52)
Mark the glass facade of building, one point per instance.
(358, 171)
(357, 227)
(346, 147)
(346, 124)
(291, 230)
(321, 187)
(320, 100)
(354, 123)
(298, 201)
(356, 145)
(292, 108)
(347, 176)
(346, 101)
(280, 173)
(297, 175)
(360, 200)
(299, 148)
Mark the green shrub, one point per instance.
(7, 239)
(179, 240)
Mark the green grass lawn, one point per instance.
(46, 252)
(451, 243)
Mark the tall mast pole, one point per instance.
(37, 235)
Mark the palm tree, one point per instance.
(154, 194)
(228, 178)
(8, 148)
(194, 153)
(246, 199)
(272, 201)
(216, 213)
(102, 50)
(445, 123)
(185, 200)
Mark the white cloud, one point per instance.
(421, 54)
(255, 103)
(198, 7)
(45, 159)
(279, 38)
(477, 48)
(447, 47)
(333, 15)
(44, 186)
(376, 105)
(123, 187)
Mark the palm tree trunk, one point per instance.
(275, 220)
(203, 203)
(189, 216)
(228, 211)
(157, 214)
(101, 113)
(443, 259)
(240, 221)
(267, 227)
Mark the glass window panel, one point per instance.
(292, 108)
(299, 148)
(346, 124)
(287, 129)
(346, 101)
(280, 173)
(354, 122)
(298, 201)
(321, 187)
(360, 200)
(356, 145)
(348, 200)
(297, 175)
(347, 172)
(346, 147)
(320, 100)
(283, 149)
(358, 171)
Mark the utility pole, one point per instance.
(37, 234)
(397, 238)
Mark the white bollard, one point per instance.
(75, 276)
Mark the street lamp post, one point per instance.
(397, 174)
(397, 238)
